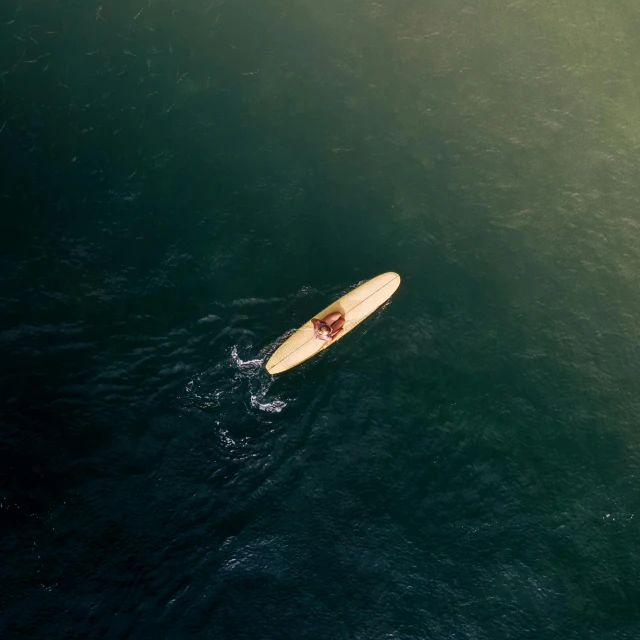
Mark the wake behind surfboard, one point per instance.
(355, 306)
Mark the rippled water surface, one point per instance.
(184, 183)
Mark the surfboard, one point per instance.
(355, 306)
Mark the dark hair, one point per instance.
(323, 329)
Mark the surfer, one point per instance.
(329, 327)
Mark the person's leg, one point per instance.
(336, 327)
(331, 318)
(335, 333)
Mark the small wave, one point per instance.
(209, 318)
(245, 302)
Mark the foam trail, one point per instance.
(232, 380)
(257, 362)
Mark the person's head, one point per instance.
(323, 330)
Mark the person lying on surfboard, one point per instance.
(329, 327)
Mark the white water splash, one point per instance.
(257, 362)
(234, 379)
(258, 397)
(276, 406)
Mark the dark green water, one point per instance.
(183, 183)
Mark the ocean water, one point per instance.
(184, 183)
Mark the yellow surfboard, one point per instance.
(355, 306)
